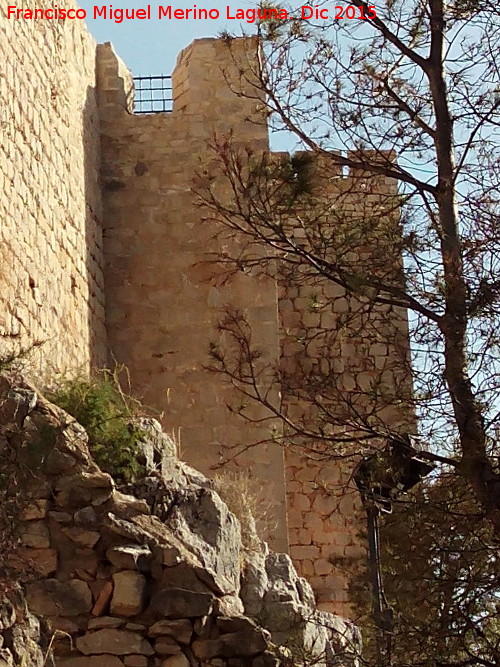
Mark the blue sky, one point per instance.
(151, 46)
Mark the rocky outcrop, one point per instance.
(152, 574)
(19, 630)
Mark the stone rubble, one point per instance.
(155, 577)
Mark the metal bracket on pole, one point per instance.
(381, 478)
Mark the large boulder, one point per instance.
(156, 448)
(200, 521)
(284, 603)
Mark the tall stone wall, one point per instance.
(51, 281)
(162, 301)
(66, 115)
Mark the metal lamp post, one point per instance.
(381, 478)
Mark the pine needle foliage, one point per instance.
(107, 414)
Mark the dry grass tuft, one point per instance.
(238, 491)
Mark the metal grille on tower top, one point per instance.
(153, 94)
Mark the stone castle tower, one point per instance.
(100, 258)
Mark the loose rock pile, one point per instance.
(156, 576)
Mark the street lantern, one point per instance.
(381, 478)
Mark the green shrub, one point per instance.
(107, 415)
